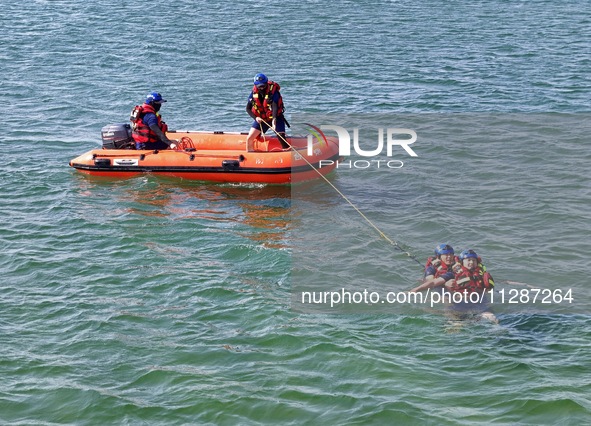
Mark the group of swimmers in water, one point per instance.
(465, 274)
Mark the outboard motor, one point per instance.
(117, 136)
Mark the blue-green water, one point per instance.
(159, 301)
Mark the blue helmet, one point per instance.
(467, 254)
(154, 97)
(260, 79)
(443, 249)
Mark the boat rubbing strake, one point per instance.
(211, 156)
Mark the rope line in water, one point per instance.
(379, 231)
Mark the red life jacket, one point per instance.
(261, 105)
(141, 133)
(440, 267)
(470, 281)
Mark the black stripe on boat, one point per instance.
(192, 169)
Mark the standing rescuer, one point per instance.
(265, 106)
(148, 129)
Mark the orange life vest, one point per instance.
(262, 102)
(141, 133)
(470, 281)
(440, 267)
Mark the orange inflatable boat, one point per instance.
(212, 156)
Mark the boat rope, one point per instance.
(380, 232)
(185, 143)
(374, 226)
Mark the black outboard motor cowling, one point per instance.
(117, 136)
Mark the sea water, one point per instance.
(161, 301)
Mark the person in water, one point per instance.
(148, 129)
(438, 269)
(470, 275)
(265, 106)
